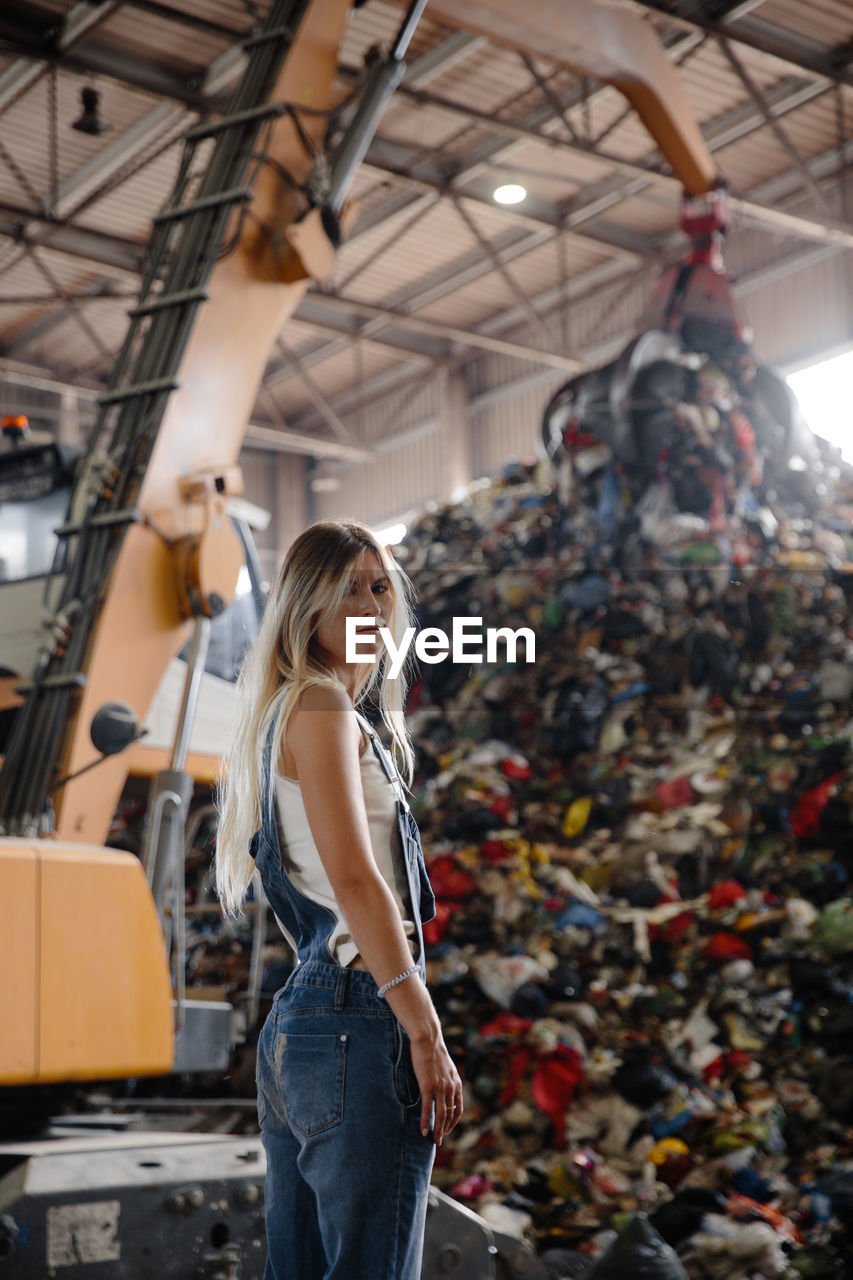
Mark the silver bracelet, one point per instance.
(401, 977)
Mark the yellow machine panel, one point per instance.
(19, 936)
(84, 936)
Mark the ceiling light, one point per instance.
(509, 193)
(90, 121)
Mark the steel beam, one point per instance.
(338, 428)
(21, 76)
(21, 35)
(437, 284)
(99, 288)
(822, 167)
(272, 441)
(354, 399)
(201, 91)
(739, 9)
(738, 122)
(392, 158)
(499, 266)
(773, 124)
(442, 57)
(117, 153)
(506, 135)
(94, 246)
(413, 348)
(441, 284)
(435, 329)
(186, 19)
(546, 213)
(756, 33)
(31, 375)
(720, 132)
(397, 160)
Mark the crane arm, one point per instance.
(609, 44)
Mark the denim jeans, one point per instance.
(348, 1169)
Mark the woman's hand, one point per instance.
(439, 1084)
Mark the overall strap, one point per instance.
(268, 772)
(389, 768)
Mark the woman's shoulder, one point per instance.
(322, 697)
(319, 730)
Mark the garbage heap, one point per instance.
(641, 846)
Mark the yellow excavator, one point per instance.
(146, 559)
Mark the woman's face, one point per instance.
(369, 598)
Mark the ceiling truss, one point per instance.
(418, 180)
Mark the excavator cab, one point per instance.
(36, 483)
(35, 488)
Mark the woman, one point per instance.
(355, 1084)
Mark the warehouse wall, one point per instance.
(507, 423)
(406, 472)
(277, 483)
(804, 312)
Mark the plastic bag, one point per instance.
(655, 509)
(638, 1253)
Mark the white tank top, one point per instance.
(302, 859)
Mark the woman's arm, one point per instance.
(323, 736)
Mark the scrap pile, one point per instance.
(641, 845)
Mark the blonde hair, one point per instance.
(314, 581)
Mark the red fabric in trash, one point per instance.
(448, 880)
(555, 1080)
(714, 1069)
(507, 1024)
(727, 946)
(805, 820)
(495, 850)
(436, 928)
(673, 1170)
(737, 1060)
(501, 807)
(725, 894)
(675, 794)
(510, 769)
(520, 1062)
(671, 931)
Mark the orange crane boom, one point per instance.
(609, 44)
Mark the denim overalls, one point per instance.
(348, 1169)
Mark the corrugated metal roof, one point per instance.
(171, 44)
(129, 209)
(406, 235)
(828, 22)
(351, 367)
(25, 132)
(237, 16)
